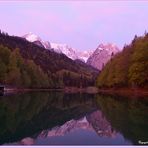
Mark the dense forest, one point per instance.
(25, 64)
(128, 68)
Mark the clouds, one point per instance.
(82, 24)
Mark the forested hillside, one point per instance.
(128, 68)
(16, 71)
(25, 64)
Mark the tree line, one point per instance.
(128, 68)
(19, 72)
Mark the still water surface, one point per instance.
(55, 118)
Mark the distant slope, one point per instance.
(128, 68)
(51, 62)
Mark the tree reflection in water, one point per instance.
(26, 117)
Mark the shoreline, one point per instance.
(21, 90)
(90, 90)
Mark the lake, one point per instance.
(55, 118)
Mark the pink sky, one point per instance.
(80, 24)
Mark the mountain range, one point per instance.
(96, 58)
(59, 48)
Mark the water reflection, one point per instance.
(56, 118)
(128, 115)
(24, 115)
(94, 127)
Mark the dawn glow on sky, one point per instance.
(81, 24)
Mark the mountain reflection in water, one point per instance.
(56, 118)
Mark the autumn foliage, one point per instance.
(128, 68)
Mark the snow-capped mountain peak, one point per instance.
(70, 52)
(102, 55)
(108, 47)
(32, 37)
(65, 49)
